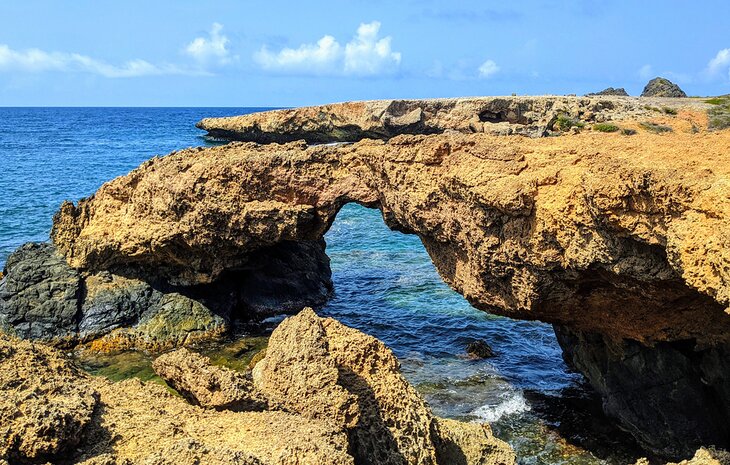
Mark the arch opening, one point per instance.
(386, 285)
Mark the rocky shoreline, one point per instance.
(617, 237)
(323, 393)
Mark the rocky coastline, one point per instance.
(618, 238)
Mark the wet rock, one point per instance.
(44, 298)
(479, 349)
(611, 91)
(393, 425)
(661, 87)
(460, 443)
(674, 397)
(45, 403)
(193, 376)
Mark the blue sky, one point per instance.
(278, 53)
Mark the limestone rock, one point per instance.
(299, 374)
(459, 443)
(661, 87)
(203, 384)
(600, 233)
(44, 407)
(50, 411)
(384, 119)
(394, 424)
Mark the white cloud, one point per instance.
(488, 68)
(720, 63)
(318, 58)
(365, 55)
(646, 72)
(36, 61)
(213, 48)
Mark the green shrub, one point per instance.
(655, 128)
(719, 114)
(669, 111)
(605, 127)
(565, 122)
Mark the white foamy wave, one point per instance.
(513, 403)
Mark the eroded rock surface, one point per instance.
(193, 376)
(662, 87)
(43, 407)
(50, 412)
(624, 236)
(323, 369)
(44, 298)
(384, 119)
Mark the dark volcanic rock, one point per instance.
(42, 297)
(660, 87)
(479, 349)
(39, 294)
(673, 397)
(611, 91)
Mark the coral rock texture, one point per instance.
(314, 365)
(203, 384)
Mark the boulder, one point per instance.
(201, 383)
(661, 87)
(479, 349)
(45, 403)
(51, 412)
(393, 425)
(460, 443)
(39, 294)
(298, 373)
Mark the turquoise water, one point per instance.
(385, 283)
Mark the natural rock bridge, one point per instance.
(621, 242)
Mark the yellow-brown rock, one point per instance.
(201, 383)
(50, 410)
(392, 424)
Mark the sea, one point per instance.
(385, 283)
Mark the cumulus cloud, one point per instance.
(365, 55)
(35, 61)
(487, 69)
(720, 63)
(210, 49)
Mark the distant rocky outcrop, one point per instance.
(620, 91)
(384, 119)
(661, 87)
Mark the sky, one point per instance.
(290, 53)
